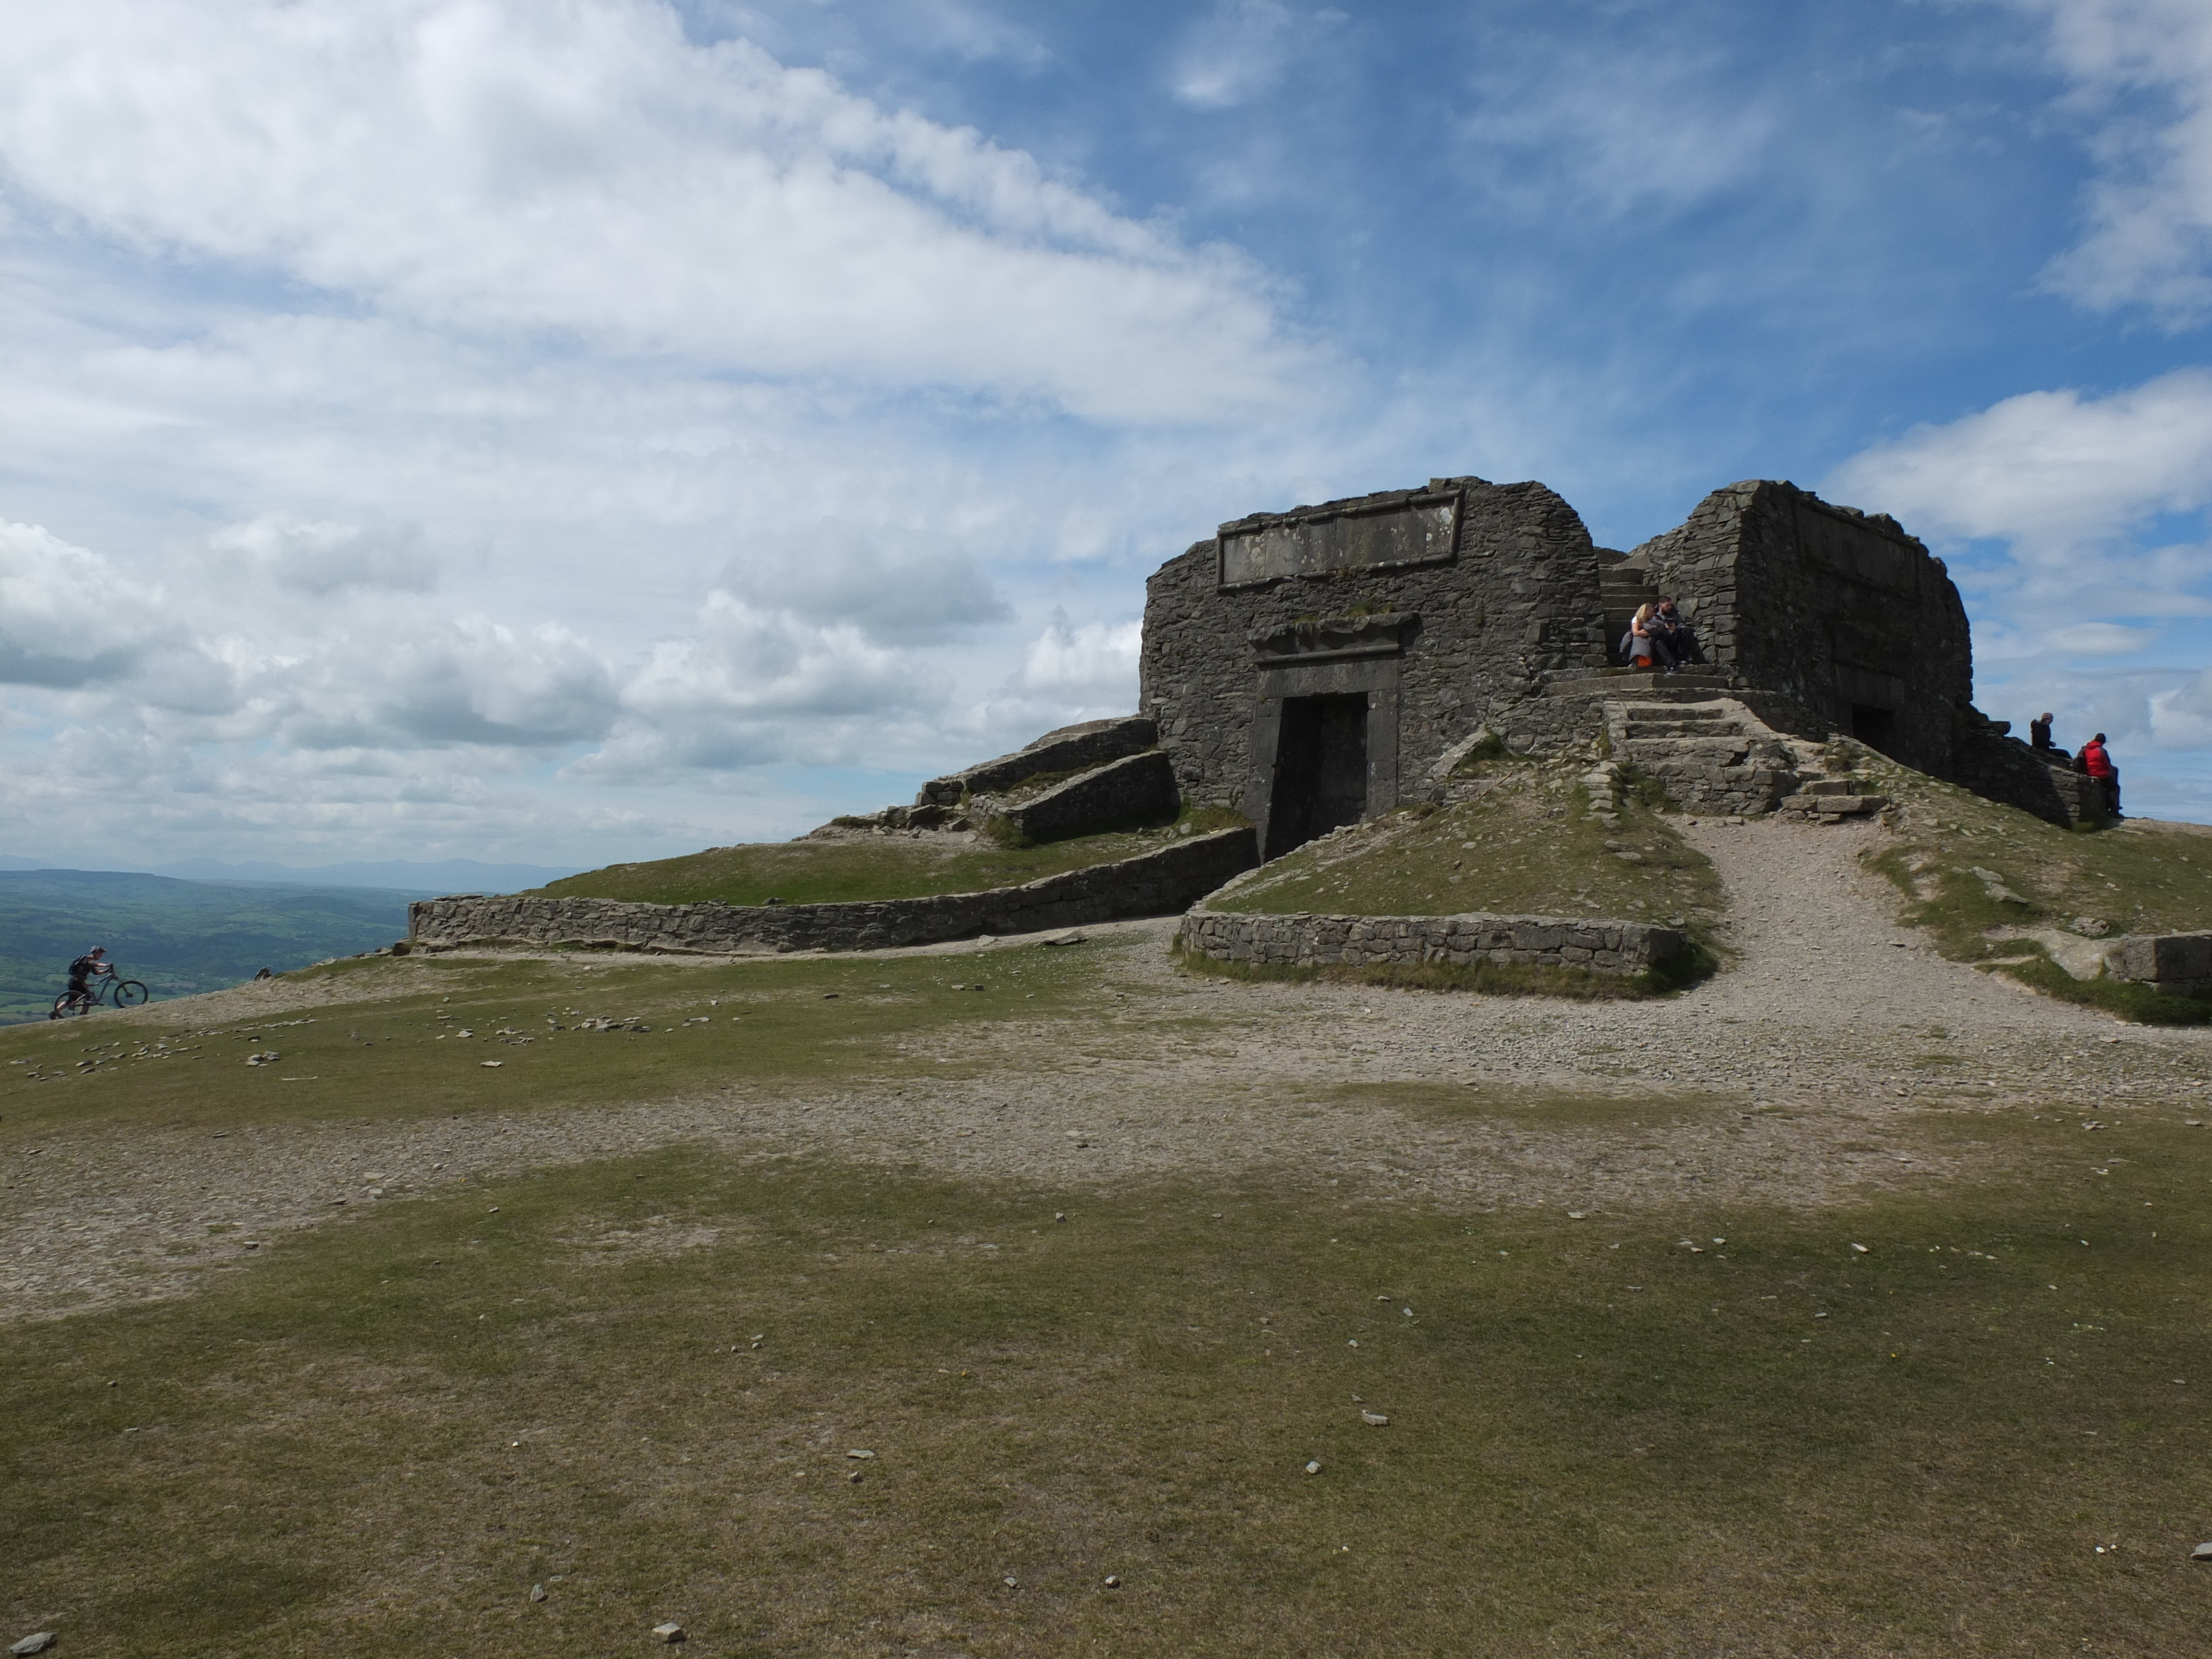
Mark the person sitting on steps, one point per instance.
(2039, 736)
(1672, 630)
(1641, 646)
(2096, 762)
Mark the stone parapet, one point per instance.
(1305, 940)
(1151, 885)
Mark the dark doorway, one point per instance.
(1874, 727)
(1321, 770)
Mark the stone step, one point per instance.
(1675, 717)
(1659, 751)
(1831, 805)
(1832, 787)
(1694, 684)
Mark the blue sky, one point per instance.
(587, 430)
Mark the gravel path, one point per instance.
(1802, 1075)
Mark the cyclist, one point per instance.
(86, 969)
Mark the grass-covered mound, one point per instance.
(2137, 877)
(866, 866)
(1531, 845)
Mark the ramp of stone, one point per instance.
(1071, 748)
(1151, 885)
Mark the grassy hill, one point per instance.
(1998, 887)
(177, 936)
(1530, 845)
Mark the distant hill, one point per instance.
(422, 880)
(177, 936)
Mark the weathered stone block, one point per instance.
(1137, 789)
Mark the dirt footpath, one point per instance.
(1800, 1075)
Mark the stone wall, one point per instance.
(1601, 947)
(1151, 885)
(2178, 963)
(1842, 613)
(1999, 767)
(1441, 635)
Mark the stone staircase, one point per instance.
(1622, 587)
(1712, 753)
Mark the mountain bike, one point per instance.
(103, 992)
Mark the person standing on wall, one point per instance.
(2096, 762)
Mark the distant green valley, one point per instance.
(177, 936)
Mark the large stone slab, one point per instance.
(1094, 743)
(2176, 963)
(1151, 885)
(1140, 788)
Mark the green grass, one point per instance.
(635, 1382)
(1528, 847)
(399, 1054)
(2139, 877)
(870, 868)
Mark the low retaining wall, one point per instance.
(2177, 962)
(1601, 947)
(1151, 885)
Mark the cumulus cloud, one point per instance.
(2142, 70)
(1094, 663)
(868, 577)
(470, 682)
(320, 557)
(750, 686)
(584, 170)
(70, 617)
(2063, 479)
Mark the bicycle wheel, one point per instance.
(129, 992)
(66, 1005)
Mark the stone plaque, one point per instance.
(1416, 529)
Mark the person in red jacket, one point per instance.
(2096, 762)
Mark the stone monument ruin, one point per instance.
(1315, 667)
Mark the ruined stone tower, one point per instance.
(1314, 667)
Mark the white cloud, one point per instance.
(1619, 130)
(470, 682)
(582, 170)
(1234, 54)
(2142, 70)
(872, 577)
(322, 556)
(1092, 663)
(2099, 640)
(68, 616)
(2057, 475)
